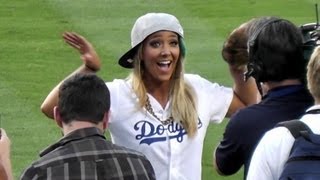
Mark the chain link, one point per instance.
(150, 110)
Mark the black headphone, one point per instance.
(254, 66)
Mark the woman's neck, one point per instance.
(160, 92)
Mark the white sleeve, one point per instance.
(219, 102)
(270, 155)
(120, 94)
(213, 99)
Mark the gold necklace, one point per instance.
(150, 110)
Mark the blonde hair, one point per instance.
(313, 74)
(183, 95)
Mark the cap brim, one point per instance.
(126, 60)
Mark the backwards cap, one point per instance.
(146, 25)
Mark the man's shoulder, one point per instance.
(249, 124)
(248, 116)
(125, 150)
(108, 154)
(29, 173)
(92, 148)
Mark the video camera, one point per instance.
(311, 36)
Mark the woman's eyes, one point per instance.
(155, 44)
(174, 43)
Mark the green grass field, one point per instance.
(33, 57)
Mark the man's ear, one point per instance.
(57, 117)
(105, 120)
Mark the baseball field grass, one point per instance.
(33, 57)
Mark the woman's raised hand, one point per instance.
(89, 56)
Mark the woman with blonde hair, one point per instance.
(159, 110)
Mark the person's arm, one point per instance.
(245, 92)
(91, 64)
(5, 167)
(228, 157)
(215, 165)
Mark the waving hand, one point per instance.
(88, 55)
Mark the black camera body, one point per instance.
(311, 37)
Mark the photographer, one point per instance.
(271, 156)
(277, 63)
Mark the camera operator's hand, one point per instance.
(315, 35)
